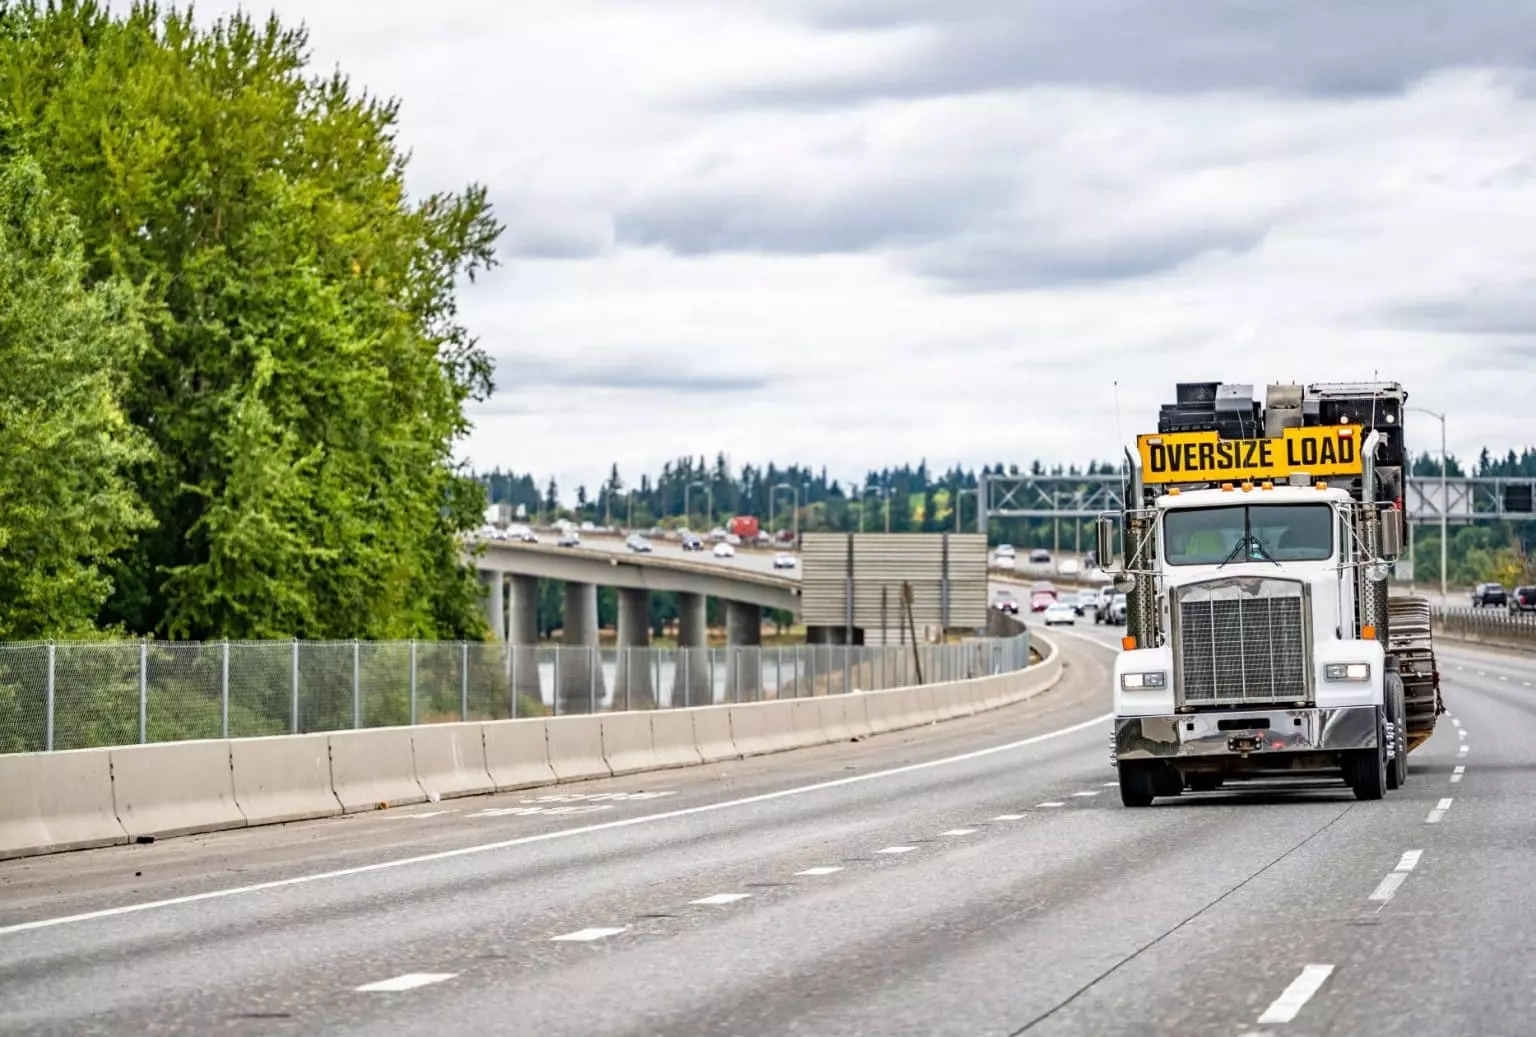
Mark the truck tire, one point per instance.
(1397, 731)
(1366, 769)
(1138, 782)
(1167, 781)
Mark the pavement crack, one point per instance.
(1138, 952)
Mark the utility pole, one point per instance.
(1445, 499)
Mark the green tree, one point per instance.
(66, 502)
(305, 377)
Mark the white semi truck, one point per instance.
(1261, 641)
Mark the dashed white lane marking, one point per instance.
(721, 898)
(588, 935)
(1457, 775)
(1455, 722)
(1480, 673)
(1502, 677)
(409, 981)
(1410, 860)
(1094, 792)
(1097, 723)
(1010, 817)
(897, 849)
(1111, 784)
(1436, 814)
(1526, 683)
(1053, 803)
(1465, 748)
(411, 817)
(1461, 732)
(824, 870)
(1284, 1008)
(1387, 888)
(959, 831)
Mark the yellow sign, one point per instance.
(1175, 457)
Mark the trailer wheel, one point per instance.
(1366, 769)
(1138, 782)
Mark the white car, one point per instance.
(1060, 613)
(724, 551)
(1005, 550)
(638, 543)
(783, 561)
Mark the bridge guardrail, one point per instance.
(76, 695)
(1487, 626)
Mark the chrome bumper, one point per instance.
(1249, 733)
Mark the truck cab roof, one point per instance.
(1214, 498)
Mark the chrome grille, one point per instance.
(1243, 640)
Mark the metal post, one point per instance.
(686, 655)
(1445, 507)
(295, 686)
(224, 693)
(944, 585)
(629, 671)
(556, 708)
(357, 686)
(52, 661)
(778, 671)
(464, 680)
(594, 661)
(143, 691)
(413, 682)
(711, 652)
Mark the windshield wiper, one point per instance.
(1237, 549)
(1264, 552)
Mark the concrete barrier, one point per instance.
(57, 801)
(174, 788)
(763, 727)
(283, 778)
(628, 744)
(576, 748)
(374, 767)
(450, 760)
(833, 719)
(712, 733)
(856, 714)
(887, 710)
(672, 731)
(808, 717)
(517, 754)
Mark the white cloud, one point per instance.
(956, 274)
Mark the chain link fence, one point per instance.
(75, 695)
(1487, 626)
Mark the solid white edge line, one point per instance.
(542, 837)
(409, 981)
(1387, 888)
(1284, 1008)
(588, 935)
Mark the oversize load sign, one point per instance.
(1206, 457)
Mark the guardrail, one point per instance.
(73, 695)
(100, 797)
(1485, 626)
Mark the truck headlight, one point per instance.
(1142, 681)
(1347, 672)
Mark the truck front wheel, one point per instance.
(1366, 770)
(1138, 782)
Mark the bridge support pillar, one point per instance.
(633, 687)
(523, 633)
(579, 680)
(744, 636)
(493, 601)
(691, 678)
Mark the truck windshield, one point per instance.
(1273, 532)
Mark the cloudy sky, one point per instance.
(864, 232)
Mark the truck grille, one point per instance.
(1242, 640)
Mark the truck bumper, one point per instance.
(1249, 733)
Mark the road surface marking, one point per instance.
(897, 849)
(1461, 732)
(1387, 888)
(1526, 683)
(1457, 775)
(1480, 673)
(1455, 722)
(409, 981)
(1010, 817)
(588, 935)
(959, 831)
(1053, 803)
(721, 898)
(541, 837)
(1295, 997)
(1465, 748)
(825, 870)
(407, 817)
(1111, 784)
(1094, 792)
(1410, 860)
(1436, 814)
(1502, 677)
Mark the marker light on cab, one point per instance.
(1347, 672)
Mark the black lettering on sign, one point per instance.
(1309, 451)
(1157, 458)
(1329, 454)
(1291, 460)
(1188, 458)
(1347, 450)
(1207, 456)
(1266, 453)
(1225, 458)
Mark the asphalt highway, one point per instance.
(977, 877)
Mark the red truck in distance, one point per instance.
(744, 526)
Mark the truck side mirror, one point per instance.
(1391, 534)
(1105, 530)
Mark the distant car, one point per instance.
(1060, 614)
(1040, 557)
(783, 560)
(763, 538)
(1106, 597)
(498, 534)
(1005, 550)
(1006, 602)
(733, 539)
(1489, 595)
(589, 527)
(1114, 612)
(1086, 599)
(1040, 600)
(723, 550)
(528, 536)
(717, 534)
(570, 538)
(1523, 599)
(657, 533)
(637, 543)
(1002, 562)
(691, 542)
